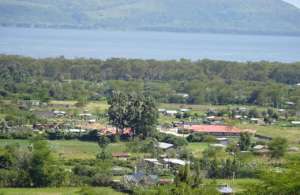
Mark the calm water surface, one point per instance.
(147, 45)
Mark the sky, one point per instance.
(294, 2)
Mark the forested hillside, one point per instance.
(234, 16)
(206, 81)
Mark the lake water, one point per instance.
(147, 45)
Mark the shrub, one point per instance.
(195, 137)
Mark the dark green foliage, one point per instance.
(33, 166)
(195, 137)
(206, 81)
(134, 111)
(172, 139)
(245, 141)
(277, 183)
(278, 147)
(43, 171)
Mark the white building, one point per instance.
(164, 146)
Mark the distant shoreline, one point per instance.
(167, 30)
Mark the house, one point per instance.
(153, 161)
(293, 149)
(222, 140)
(165, 146)
(242, 109)
(211, 117)
(92, 121)
(166, 181)
(171, 162)
(161, 110)
(258, 121)
(114, 131)
(295, 122)
(171, 112)
(75, 130)
(225, 189)
(290, 103)
(217, 130)
(238, 116)
(59, 113)
(86, 115)
(121, 155)
(183, 95)
(139, 178)
(184, 110)
(258, 147)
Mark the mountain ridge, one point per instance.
(234, 16)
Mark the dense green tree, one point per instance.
(103, 142)
(245, 141)
(206, 81)
(44, 171)
(278, 147)
(133, 111)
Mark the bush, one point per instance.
(195, 137)
(172, 139)
(209, 139)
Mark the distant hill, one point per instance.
(234, 16)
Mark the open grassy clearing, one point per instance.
(92, 106)
(72, 149)
(292, 134)
(202, 109)
(54, 191)
(197, 148)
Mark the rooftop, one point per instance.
(175, 161)
(213, 128)
(163, 145)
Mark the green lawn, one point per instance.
(72, 149)
(54, 191)
(197, 148)
(292, 134)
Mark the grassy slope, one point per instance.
(72, 149)
(53, 191)
(292, 134)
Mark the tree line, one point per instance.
(206, 81)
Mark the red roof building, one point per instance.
(220, 130)
(113, 131)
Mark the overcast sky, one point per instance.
(294, 2)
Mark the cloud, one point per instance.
(294, 2)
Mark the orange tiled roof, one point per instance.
(113, 130)
(213, 128)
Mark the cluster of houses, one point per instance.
(140, 177)
(172, 112)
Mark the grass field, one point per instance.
(202, 109)
(72, 149)
(93, 106)
(54, 191)
(197, 148)
(292, 134)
